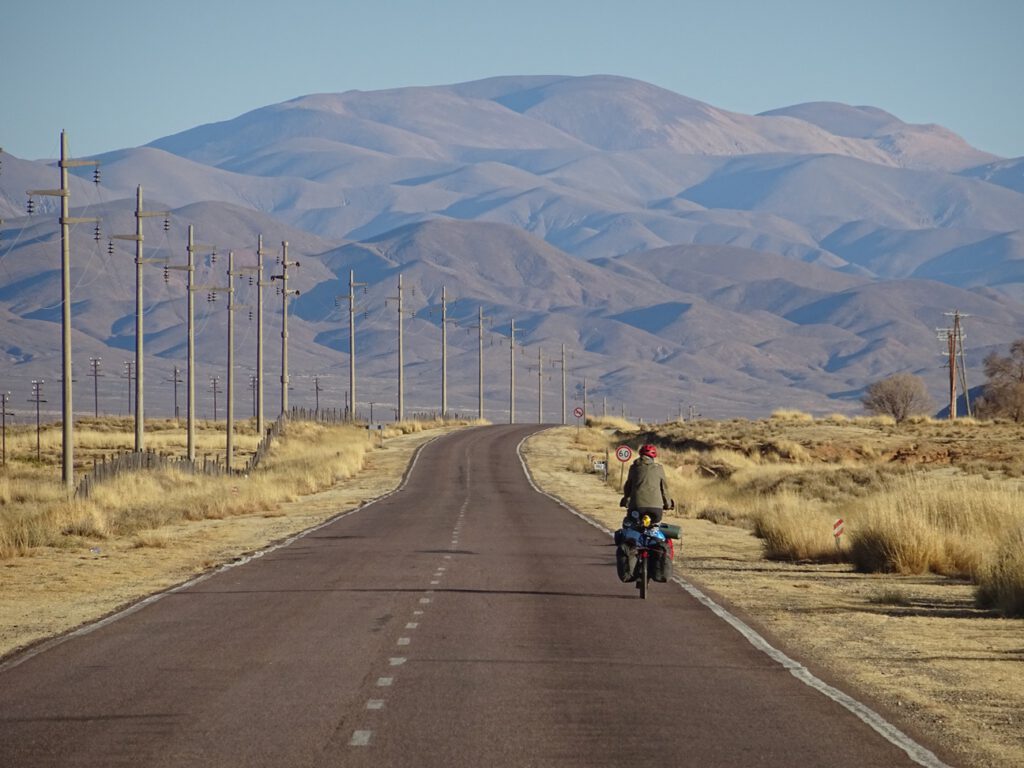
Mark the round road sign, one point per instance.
(623, 453)
(577, 412)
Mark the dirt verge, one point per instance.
(918, 645)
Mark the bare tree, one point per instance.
(1004, 390)
(899, 396)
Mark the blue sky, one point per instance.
(119, 74)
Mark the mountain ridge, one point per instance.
(681, 251)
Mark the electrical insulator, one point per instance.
(213, 256)
(110, 247)
(250, 315)
(31, 206)
(277, 290)
(96, 232)
(366, 314)
(167, 275)
(250, 279)
(96, 175)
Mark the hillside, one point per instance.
(682, 252)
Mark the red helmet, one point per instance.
(649, 450)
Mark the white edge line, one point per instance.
(46, 645)
(919, 754)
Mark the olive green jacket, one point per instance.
(645, 485)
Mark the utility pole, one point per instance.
(285, 294)
(954, 338)
(176, 380)
(66, 220)
(94, 364)
(563, 385)
(400, 412)
(256, 278)
(352, 284)
(129, 373)
(480, 339)
(540, 387)
(316, 390)
(4, 413)
(512, 374)
(140, 407)
(37, 398)
(190, 374)
(215, 388)
(563, 363)
(444, 352)
(585, 412)
(252, 388)
(230, 417)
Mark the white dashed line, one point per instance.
(384, 682)
(375, 704)
(424, 600)
(404, 641)
(412, 625)
(435, 581)
(397, 661)
(360, 738)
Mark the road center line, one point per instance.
(360, 738)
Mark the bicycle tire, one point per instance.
(643, 578)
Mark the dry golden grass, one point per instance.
(35, 511)
(1001, 579)
(791, 531)
(950, 525)
(785, 414)
(927, 496)
(611, 422)
(915, 642)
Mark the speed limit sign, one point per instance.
(623, 453)
(577, 412)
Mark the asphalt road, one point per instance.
(466, 620)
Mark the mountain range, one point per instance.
(683, 254)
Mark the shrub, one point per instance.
(791, 531)
(949, 526)
(898, 396)
(1001, 581)
(789, 414)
